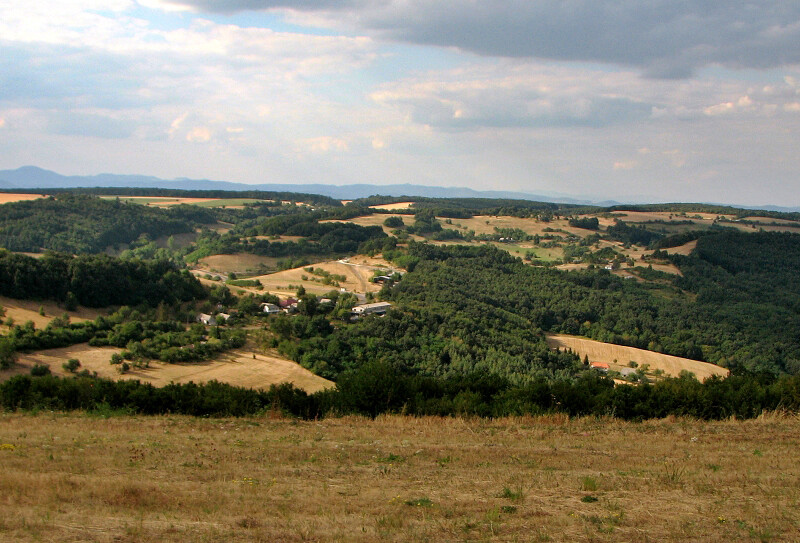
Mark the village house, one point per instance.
(208, 320)
(377, 308)
(270, 309)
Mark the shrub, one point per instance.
(71, 365)
(39, 370)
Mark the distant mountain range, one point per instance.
(32, 177)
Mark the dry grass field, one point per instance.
(237, 262)
(685, 249)
(396, 205)
(239, 367)
(77, 477)
(27, 310)
(8, 197)
(618, 357)
(357, 270)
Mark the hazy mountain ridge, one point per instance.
(33, 177)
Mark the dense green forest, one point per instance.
(95, 280)
(466, 334)
(379, 388)
(83, 224)
(477, 309)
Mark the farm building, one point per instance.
(223, 317)
(270, 309)
(599, 366)
(627, 371)
(208, 320)
(378, 308)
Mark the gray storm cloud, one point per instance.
(663, 38)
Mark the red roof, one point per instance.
(601, 365)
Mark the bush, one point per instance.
(394, 222)
(40, 370)
(71, 365)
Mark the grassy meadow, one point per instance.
(79, 477)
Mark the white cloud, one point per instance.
(199, 134)
(324, 144)
(625, 165)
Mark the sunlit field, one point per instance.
(78, 477)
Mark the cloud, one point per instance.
(324, 144)
(516, 96)
(90, 125)
(664, 38)
(199, 134)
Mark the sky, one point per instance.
(663, 100)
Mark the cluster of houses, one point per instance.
(290, 306)
(213, 320)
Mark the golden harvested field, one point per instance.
(374, 220)
(684, 250)
(396, 205)
(239, 367)
(646, 216)
(618, 357)
(76, 477)
(238, 262)
(27, 310)
(357, 270)
(8, 197)
(770, 220)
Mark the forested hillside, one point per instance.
(467, 309)
(466, 332)
(83, 224)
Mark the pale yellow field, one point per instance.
(126, 479)
(618, 356)
(645, 216)
(684, 250)
(357, 270)
(28, 310)
(239, 367)
(396, 205)
(770, 220)
(238, 262)
(7, 198)
(373, 220)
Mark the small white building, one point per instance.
(378, 308)
(270, 309)
(208, 320)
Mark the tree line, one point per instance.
(379, 388)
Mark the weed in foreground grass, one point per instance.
(588, 499)
(673, 473)
(419, 502)
(390, 459)
(444, 460)
(513, 495)
(588, 484)
(606, 524)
